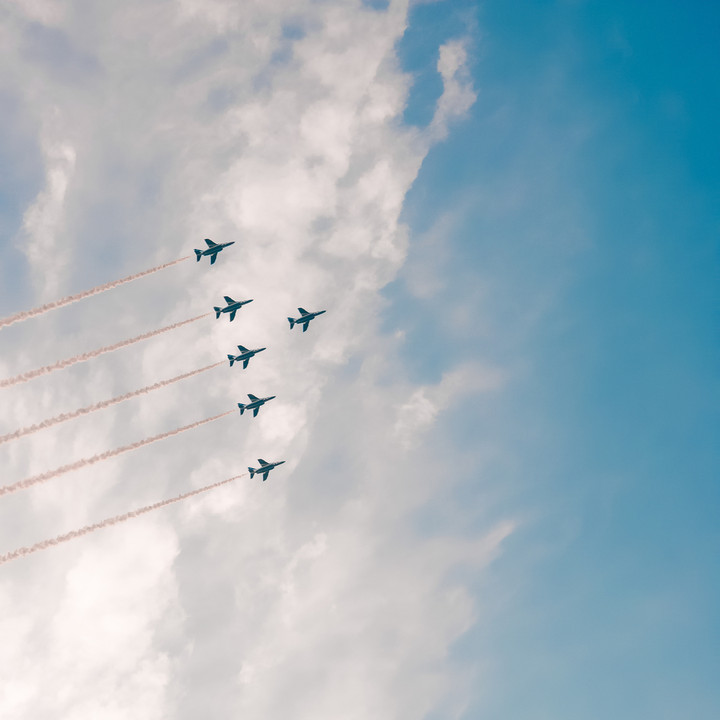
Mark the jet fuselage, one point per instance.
(244, 355)
(304, 319)
(264, 469)
(212, 250)
(255, 404)
(232, 307)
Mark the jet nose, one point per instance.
(272, 397)
(260, 349)
(229, 244)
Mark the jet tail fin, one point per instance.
(292, 323)
(252, 472)
(242, 408)
(198, 255)
(231, 358)
(217, 312)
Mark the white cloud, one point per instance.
(416, 414)
(43, 220)
(46, 12)
(311, 595)
(94, 630)
(458, 94)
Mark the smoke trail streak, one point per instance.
(101, 405)
(22, 552)
(42, 309)
(24, 377)
(85, 462)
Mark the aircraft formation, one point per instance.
(243, 357)
(245, 354)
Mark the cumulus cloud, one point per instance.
(312, 595)
(94, 664)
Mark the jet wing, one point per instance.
(213, 258)
(232, 315)
(210, 243)
(303, 311)
(265, 474)
(255, 411)
(305, 326)
(241, 348)
(252, 397)
(245, 362)
(263, 462)
(229, 300)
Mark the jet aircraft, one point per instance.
(212, 250)
(244, 355)
(304, 319)
(232, 307)
(254, 404)
(264, 469)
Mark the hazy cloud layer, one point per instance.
(314, 595)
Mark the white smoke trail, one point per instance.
(101, 405)
(42, 309)
(24, 377)
(28, 482)
(22, 552)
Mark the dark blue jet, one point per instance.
(254, 404)
(304, 319)
(232, 307)
(264, 469)
(212, 250)
(244, 355)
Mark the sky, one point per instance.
(500, 494)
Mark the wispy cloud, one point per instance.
(44, 219)
(416, 414)
(458, 93)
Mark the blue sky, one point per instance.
(583, 193)
(501, 493)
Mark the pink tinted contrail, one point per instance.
(22, 552)
(101, 405)
(42, 309)
(43, 477)
(24, 377)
